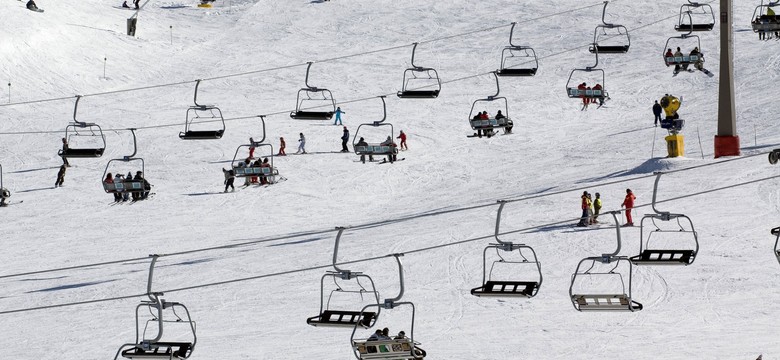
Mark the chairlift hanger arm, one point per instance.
(384, 111)
(75, 110)
(390, 303)
(308, 67)
(511, 34)
(604, 15)
(606, 258)
(195, 97)
(336, 249)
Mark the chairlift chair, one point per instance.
(684, 60)
(128, 185)
(313, 94)
(606, 31)
(83, 131)
(332, 317)
(776, 233)
(378, 148)
(573, 90)
(604, 300)
(420, 82)
(389, 349)
(4, 193)
(681, 226)
(513, 56)
(764, 23)
(202, 114)
(160, 346)
(704, 15)
(242, 169)
(516, 288)
(488, 125)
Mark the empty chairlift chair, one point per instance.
(612, 291)
(202, 114)
(420, 82)
(574, 88)
(313, 95)
(527, 285)
(158, 345)
(4, 193)
(245, 166)
(700, 17)
(349, 284)
(763, 22)
(488, 125)
(384, 147)
(84, 140)
(690, 51)
(610, 38)
(776, 233)
(138, 187)
(517, 60)
(397, 348)
(663, 226)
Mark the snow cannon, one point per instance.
(670, 104)
(675, 145)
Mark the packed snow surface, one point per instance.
(721, 307)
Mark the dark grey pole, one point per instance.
(726, 141)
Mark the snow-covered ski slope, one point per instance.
(721, 307)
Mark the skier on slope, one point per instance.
(338, 116)
(282, 145)
(60, 176)
(230, 176)
(301, 144)
(628, 203)
(344, 139)
(402, 136)
(584, 205)
(657, 112)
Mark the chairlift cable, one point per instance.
(295, 65)
(424, 249)
(395, 221)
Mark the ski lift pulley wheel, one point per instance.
(774, 156)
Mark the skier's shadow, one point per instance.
(31, 190)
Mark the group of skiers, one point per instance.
(698, 63)
(128, 190)
(583, 88)
(592, 207)
(769, 18)
(489, 131)
(135, 3)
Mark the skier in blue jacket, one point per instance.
(338, 116)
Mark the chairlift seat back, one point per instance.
(418, 94)
(490, 123)
(241, 171)
(81, 153)
(312, 115)
(159, 350)
(610, 49)
(590, 94)
(682, 60)
(605, 302)
(694, 27)
(124, 186)
(507, 289)
(398, 349)
(517, 72)
(664, 257)
(340, 318)
(376, 150)
(201, 135)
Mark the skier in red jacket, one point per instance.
(402, 136)
(628, 203)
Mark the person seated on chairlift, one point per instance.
(484, 116)
(264, 164)
(477, 116)
(31, 5)
(699, 63)
(117, 179)
(362, 142)
(375, 336)
(598, 88)
(255, 164)
(679, 54)
(389, 142)
(109, 179)
(668, 54)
